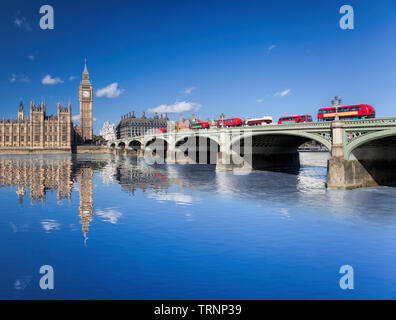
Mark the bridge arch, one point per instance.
(376, 153)
(152, 139)
(121, 145)
(200, 149)
(135, 145)
(112, 145)
(211, 137)
(157, 147)
(304, 136)
(366, 139)
(273, 150)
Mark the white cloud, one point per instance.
(177, 107)
(110, 91)
(71, 78)
(260, 100)
(21, 284)
(22, 23)
(31, 57)
(49, 225)
(19, 78)
(271, 47)
(189, 90)
(76, 118)
(109, 215)
(49, 80)
(18, 22)
(284, 93)
(177, 197)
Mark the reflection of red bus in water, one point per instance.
(258, 121)
(231, 122)
(160, 175)
(359, 111)
(295, 119)
(162, 130)
(199, 125)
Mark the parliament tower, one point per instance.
(85, 97)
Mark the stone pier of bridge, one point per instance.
(343, 173)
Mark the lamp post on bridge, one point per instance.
(337, 150)
(336, 102)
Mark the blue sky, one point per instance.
(243, 58)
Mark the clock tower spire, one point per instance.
(86, 99)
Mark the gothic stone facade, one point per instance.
(39, 131)
(86, 97)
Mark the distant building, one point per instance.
(130, 126)
(184, 123)
(108, 131)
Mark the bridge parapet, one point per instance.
(371, 122)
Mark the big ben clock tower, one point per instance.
(85, 97)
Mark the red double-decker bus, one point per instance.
(359, 111)
(231, 122)
(199, 125)
(161, 130)
(295, 119)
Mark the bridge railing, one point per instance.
(375, 121)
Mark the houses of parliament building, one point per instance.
(40, 131)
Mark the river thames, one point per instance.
(114, 228)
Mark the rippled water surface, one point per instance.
(114, 228)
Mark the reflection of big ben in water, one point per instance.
(86, 202)
(38, 175)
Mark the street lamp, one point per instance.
(222, 119)
(336, 102)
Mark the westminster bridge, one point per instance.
(363, 152)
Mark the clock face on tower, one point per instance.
(86, 94)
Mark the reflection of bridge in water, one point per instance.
(34, 176)
(133, 174)
(363, 152)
